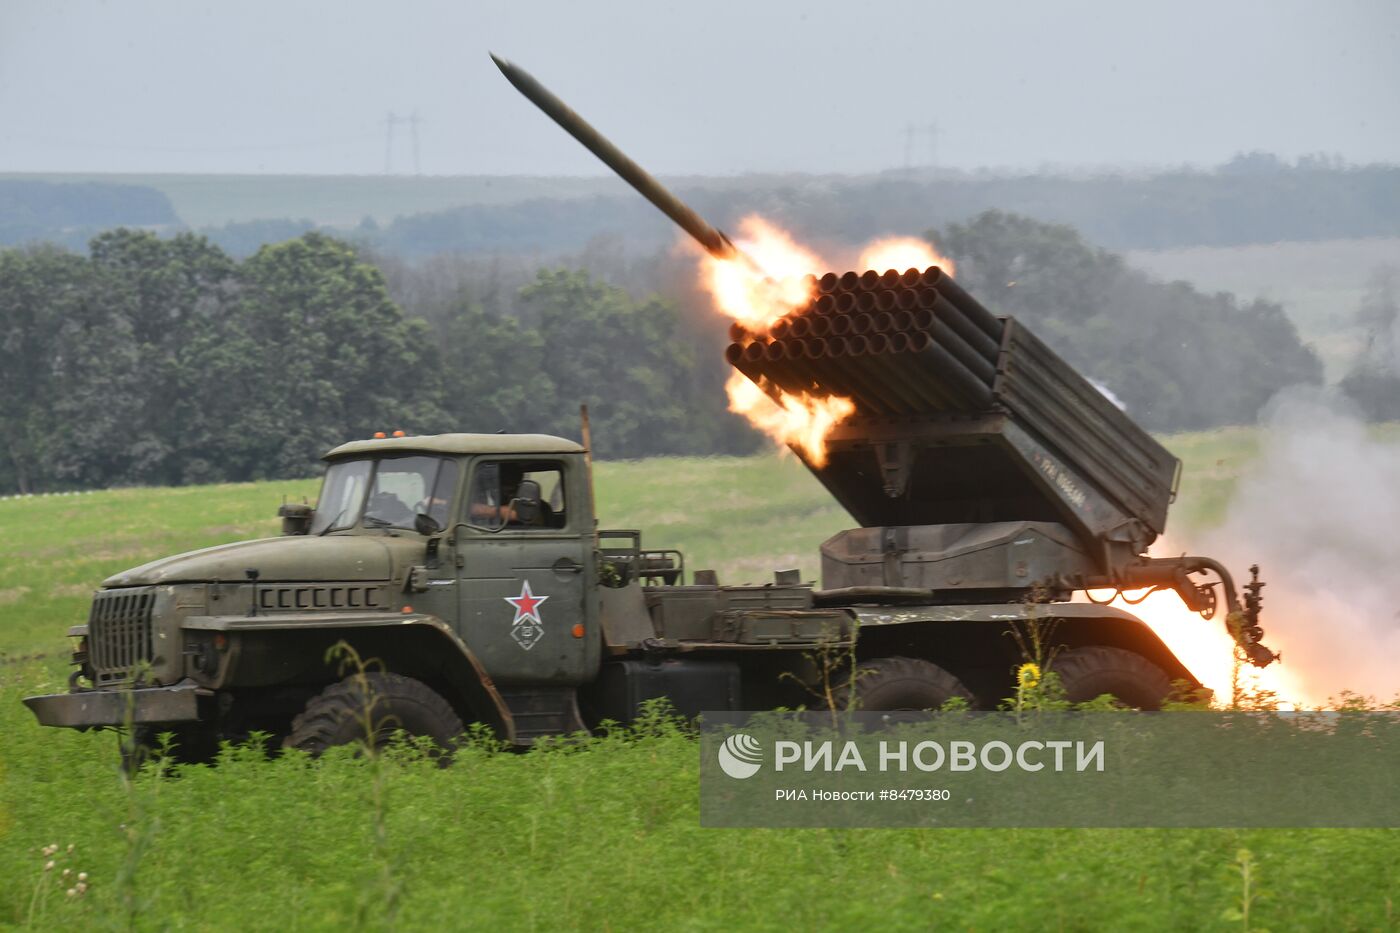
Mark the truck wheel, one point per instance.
(190, 745)
(336, 715)
(886, 684)
(1127, 676)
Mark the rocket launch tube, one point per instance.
(946, 338)
(975, 336)
(935, 277)
(856, 364)
(932, 393)
(893, 378)
(951, 371)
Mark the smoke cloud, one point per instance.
(1319, 510)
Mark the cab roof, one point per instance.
(460, 444)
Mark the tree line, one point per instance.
(158, 361)
(72, 212)
(163, 361)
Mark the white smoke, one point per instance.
(1319, 510)
(1108, 394)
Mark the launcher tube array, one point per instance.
(894, 343)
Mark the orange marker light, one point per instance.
(578, 630)
(407, 610)
(378, 435)
(398, 434)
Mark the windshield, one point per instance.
(388, 492)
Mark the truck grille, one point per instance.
(323, 596)
(119, 632)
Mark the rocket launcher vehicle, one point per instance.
(979, 465)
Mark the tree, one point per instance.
(1373, 381)
(338, 358)
(39, 289)
(1178, 359)
(617, 355)
(166, 296)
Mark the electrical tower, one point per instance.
(413, 121)
(911, 132)
(390, 121)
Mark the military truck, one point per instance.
(989, 480)
(471, 568)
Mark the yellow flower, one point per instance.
(1027, 675)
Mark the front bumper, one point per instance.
(86, 709)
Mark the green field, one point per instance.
(604, 836)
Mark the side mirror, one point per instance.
(296, 517)
(527, 502)
(425, 524)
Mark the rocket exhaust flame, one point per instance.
(1207, 650)
(901, 253)
(797, 419)
(784, 316)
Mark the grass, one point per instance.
(605, 836)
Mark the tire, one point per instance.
(1131, 679)
(190, 745)
(336, 715)
(887, 684)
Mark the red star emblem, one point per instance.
(527, 605)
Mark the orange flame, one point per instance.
(900, 253)
(795, 420)
(778, 283)
(758, 297)
(1207, 650)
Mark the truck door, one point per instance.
(526, 575)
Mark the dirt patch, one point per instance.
(13, 595)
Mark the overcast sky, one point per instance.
(295, 86)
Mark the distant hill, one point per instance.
(71, 212)
(1119, 212)
(1254, 199)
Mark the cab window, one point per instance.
(439, 502)
(521, 494)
